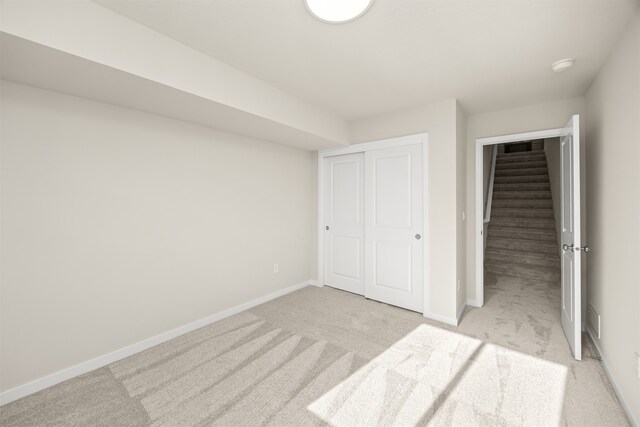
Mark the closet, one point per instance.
(373, 220)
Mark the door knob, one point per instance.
(566, 247)
(327, 227)
(584, 249)
(418, 237)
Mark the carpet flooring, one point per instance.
(320, 356)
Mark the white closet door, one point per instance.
(393, 226)
(344, 222)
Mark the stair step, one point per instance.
(522, 172)
(521, 165)
(540, 195)
(520, 154)
(522, 245)
(522, 203)
(522, 186)
(539, 234)
(521, 213)
(545, 223)
(520, 159)
(528, 179)
(541, 274)
(503, 256)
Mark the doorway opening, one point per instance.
(528, 223)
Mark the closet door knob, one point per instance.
(327, 227)
(418, 237)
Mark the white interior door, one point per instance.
(393, 226)
(344, 222)
(571, 239)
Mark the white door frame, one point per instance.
(422, 139)
(479, 203)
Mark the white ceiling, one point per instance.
(489, 54)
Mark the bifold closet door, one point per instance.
(393, 226)
(344, 222)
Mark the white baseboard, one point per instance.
(106, 359)
(440, 318)
(315, 283)
(603, 361)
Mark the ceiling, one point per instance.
(488, 54)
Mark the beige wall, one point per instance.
(524, 119)
(118, 225)
(439, 120)
(613, 208)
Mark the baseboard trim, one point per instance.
(440, 318)
(623, 403)
(315, 283)
(106, 359)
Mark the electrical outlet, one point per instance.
(464, 216)
(276, 268)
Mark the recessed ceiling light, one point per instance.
(562, 65)
(337, 11)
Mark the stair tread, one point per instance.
(519, 195)
(521, 153)
(522, 186)
(509, 239)
(521, 165)
(532, 268)
(551, 276)
(523, 230)
(520, 254)
(522, 171)
(518, 210)
(523, 203)
(520, 179)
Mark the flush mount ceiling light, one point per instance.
(562, 65)
(337, 11)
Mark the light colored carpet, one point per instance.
(321, 356)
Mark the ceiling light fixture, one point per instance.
(337, 11)
(562, 65)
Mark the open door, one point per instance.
(570, 236)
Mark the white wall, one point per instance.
(118, 225)
(87, 30)
(439, 121)
(487, 156)
(613, 207)
(530, 118)
(552, 151)
(461, 181)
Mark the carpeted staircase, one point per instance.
(521, 239)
